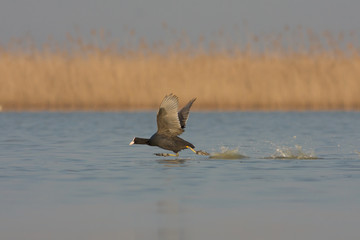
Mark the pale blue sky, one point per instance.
(41, 18)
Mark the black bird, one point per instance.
(170, 123)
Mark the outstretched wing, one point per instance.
(184, 113)
(167, 118)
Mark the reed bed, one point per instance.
(265, 73)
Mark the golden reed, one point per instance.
(92, 77)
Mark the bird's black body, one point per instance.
(174, 144)
(171, 123)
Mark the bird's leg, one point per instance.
(200, 152)
(191, 149)
(167, 154)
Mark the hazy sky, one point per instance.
(41, 18)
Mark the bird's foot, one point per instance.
(201, 152)
(167, 154)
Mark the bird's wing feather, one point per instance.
(167, 118)
(184, 113)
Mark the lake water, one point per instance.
(74, 176)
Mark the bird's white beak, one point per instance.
(132, 142)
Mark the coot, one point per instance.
(170, 123)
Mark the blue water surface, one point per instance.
(74, 176)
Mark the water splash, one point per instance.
(296, 152)
(227, 153)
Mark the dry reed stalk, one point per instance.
(239, 80)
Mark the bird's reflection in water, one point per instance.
(170, 222)
(177, 162)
